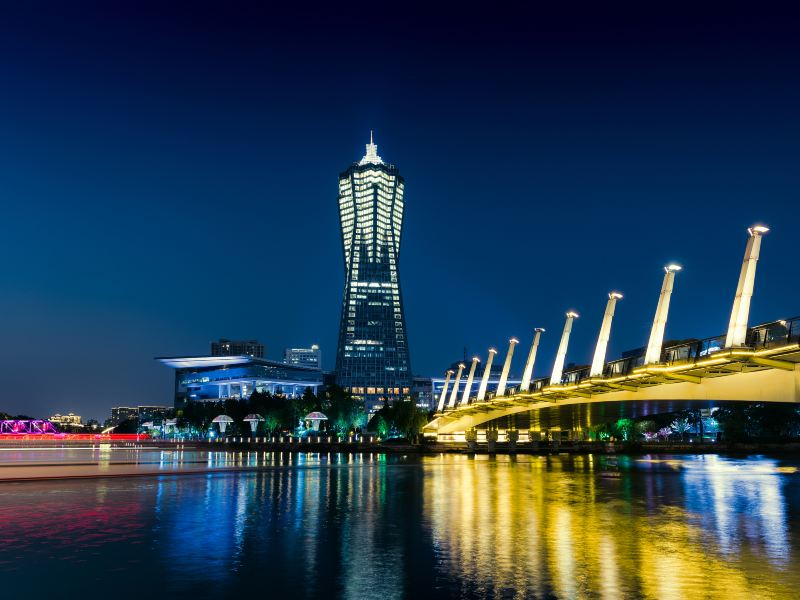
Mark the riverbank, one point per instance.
(609, 448)
(303, 445)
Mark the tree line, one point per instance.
(346, 414)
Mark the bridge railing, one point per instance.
(575, 375)
(694, 350)
(777, 333)
(623, 366)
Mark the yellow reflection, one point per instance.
(552, 526)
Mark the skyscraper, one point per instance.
(372, 359)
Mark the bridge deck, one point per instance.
(637, 385)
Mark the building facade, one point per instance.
(70, 419)
(304, 357)
(122, 413)
(224, 347)
(372, 357)
(139, 414)
(216, 378)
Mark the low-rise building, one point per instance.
(304, 357)
(70, 420)
(215, 378)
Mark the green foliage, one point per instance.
(623, 429)
(279, 412)
(345, 414)
(740, 421)
(402, 418)
(379, 424)
(599, 432)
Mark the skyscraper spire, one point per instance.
(371, 157)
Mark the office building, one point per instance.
(304, 357)
(153, 413)
(122, 413)
(225, 347)
(372, 357)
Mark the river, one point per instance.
(269, 525)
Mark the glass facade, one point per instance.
(372, 358)
(208, 379)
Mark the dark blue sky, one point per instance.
(168, 175)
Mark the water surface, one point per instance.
(372, 526)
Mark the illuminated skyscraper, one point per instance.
(372, 359)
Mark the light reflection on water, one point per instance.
(363, 526)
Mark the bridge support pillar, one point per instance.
(454, 393)
(653, 354)
(525, 384)
(491, 440)
(512, 436)
(599, 360)
(470, 378)
(737, 328)
(440, 408)
(561, 355)
(486, 372)
(471, 435)
(501, 386)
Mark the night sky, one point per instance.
(169, 176)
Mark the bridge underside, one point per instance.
(582, 416)
(730, 376)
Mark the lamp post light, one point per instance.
(485, 379)
(561, 355)
(653, 354)
(454, 393)
(737, 328)
(527, 374)
(599, 360)
(470, 377)
(444, 391)
(501, 386)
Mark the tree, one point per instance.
(623, 429)
(402, 418)
(343, 411)
(681, 427)
(271, 421)
(127, 426)
(379, 424)
(407, 419)
(645, 427)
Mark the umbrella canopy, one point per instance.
(315, 416)
(256, 418)
(222, 421)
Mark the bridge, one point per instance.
(746, 364)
